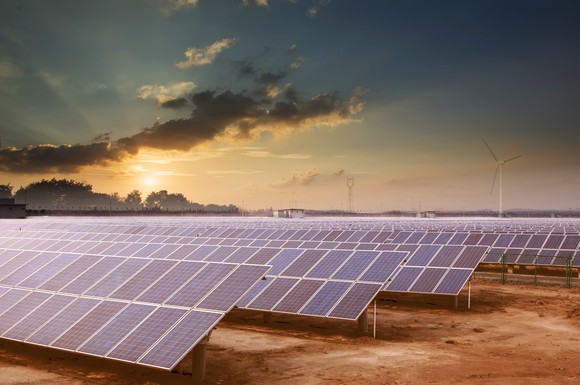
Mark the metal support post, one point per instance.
(375, 320)
(469, 294)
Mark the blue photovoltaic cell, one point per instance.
(329, 264)
(488, 239)
(571, 242)
(201, 253)
(220, 254)
(384, 266)
(38, 317)
(16, 262)
(104, 340)
(143, 279)
(170, 282)
(28, 268)
(494, 255)
(428, 280)
(283, 260)
(228, 293)
(473, 239)
(146, 334)
(423, 255)
(520, 240)
(181, 339)
(415, 237)
(117, 277)
(511, 255)
(270, 296)
(146, 251)
(504, 240)
(355, 301)
(536, 241)
(9, 298)
(429, 238)
(70, 272)
(446, 256)
(443, 238)
(48, 271)
(95, 273)
(401, 237)
(88, 325)
(253, 293)
(183, 252)
(201, 284)
(263, 256)
(62, 321)
(404, 279)
(325, 298)
(21, 310)
(164, 252)
(453, 281)
(470, 257)
(358, 262)
(241, 255)
(7, 255)
(303, 263)
(458, 239)
(298, 296)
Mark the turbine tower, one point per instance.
(500, 169)
(350, 185)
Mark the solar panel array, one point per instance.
(103, 287)
(142, 310)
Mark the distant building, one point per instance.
(289, 213)
(9, 209)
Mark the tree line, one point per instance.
(64, 194)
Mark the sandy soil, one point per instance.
(514, 334)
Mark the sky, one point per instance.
(275, 103)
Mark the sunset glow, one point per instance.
(244, 101)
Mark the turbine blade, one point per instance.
(490, 151)
(515, 157)
(494, 177)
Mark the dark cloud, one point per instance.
(214, 115)
(64, 158)
(175, 104)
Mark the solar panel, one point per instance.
(88, 325)
(453, 281)
(349, 306)
(172, 347)
(62, 321)
(138, 342)
(273, 293)
(298, 296)
(325, 299)
(116, 329)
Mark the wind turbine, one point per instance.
(500, 168)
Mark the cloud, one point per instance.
(166, 96)
(234, 172)
(63, 158)
(9, 70)
(303, 178)
(259, 3)
(197, 57)
(235, 116)
(313, 11)
(175, 5)
(266, 154)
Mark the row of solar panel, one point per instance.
(120, 243)
(212, 286)
(381, 224)
(332, 239)
(140, 333)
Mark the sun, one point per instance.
(149, 181)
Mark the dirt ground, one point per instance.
(513, 334)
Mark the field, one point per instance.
(514, 334)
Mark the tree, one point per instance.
(56, 193)
(133, 199)
(6, 190)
